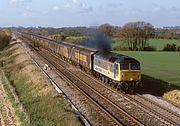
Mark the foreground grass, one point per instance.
(160, 65)
(41, 102)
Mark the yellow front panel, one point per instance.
(119, 73)
(130, 75)
(108, 70)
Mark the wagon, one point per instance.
(83, 56)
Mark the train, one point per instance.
(120, 71)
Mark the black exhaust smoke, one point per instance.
(99, 41)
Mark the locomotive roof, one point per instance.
(86, 49)
(115, 57)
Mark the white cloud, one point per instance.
(67, 6)
(25, 14)
(25, 7)
(56, 8)
(76, 1)
(20, 2)
(155, 9)
(13, 1)
(74, 6)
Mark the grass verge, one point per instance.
(42, 103)
(17, 107)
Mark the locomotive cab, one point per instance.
(123, 70)
(130, 71)
(127, 72)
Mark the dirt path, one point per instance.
(7, 114)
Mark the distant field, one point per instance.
(158, 43)
(160, 65)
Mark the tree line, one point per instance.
(135, 34)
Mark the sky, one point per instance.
(70, 13)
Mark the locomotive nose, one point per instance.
(130, 76)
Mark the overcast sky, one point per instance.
(63, 13)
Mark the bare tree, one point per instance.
(136, 34)
(107, 29)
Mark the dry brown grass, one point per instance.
(173, 96)
(35, 91)
(7, 112)
(30, 71)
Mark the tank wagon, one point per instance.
(121, 71)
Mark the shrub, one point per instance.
(149, 48)
(119, 48)
(178, 49)
(5, 38)
(169, 47)
(61, 37)
(75, 39)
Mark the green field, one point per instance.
(158, 43)
(160, 65)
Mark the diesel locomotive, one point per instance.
(120, 71)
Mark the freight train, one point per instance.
(120, 71)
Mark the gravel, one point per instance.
(163, 103)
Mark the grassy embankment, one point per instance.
(42, 103)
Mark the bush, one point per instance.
(75, 39)
(178, 49)
(119, 48)
(170, 47)
(61, 37)
(5, 38)
(149, 48)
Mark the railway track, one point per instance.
(117, 113)
(159, 110)
(119, 118)
(151, 110)
(163, 114)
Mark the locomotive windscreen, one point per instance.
(130, 66)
